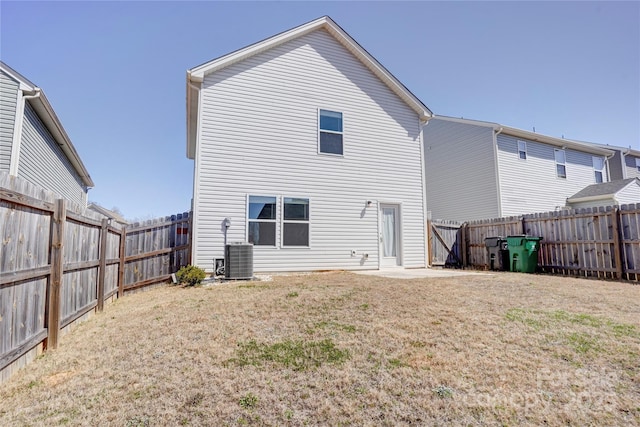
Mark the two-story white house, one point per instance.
(311, 150)
(477, 170)
(34, 145)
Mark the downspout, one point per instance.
(17, 129)
(423, 172)
(606, 164)
(196, 170)
(497, 168)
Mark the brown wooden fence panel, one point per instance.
(630, 240)
(592, 242)
(55, 259)
(477, 231)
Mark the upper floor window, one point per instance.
(295, 222)
(522, 150)
(561, 163)
(330, 132)
(638, 164)
(261, 220)
(598, 169)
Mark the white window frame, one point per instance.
(283, 221)
(275, 220)
(563, 163)
(522, 150)
(596, 171)
(330, 131)
(638, 164)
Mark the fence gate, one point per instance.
(445, 243)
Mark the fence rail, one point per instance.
(591, 242)
(57, 265)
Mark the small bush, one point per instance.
(190, 275)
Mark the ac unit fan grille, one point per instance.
(238, 261)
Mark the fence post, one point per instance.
(123, 238)
(190, 238)
(617, 242)
(429, 243)
(57, 271)
(463, 244)
(104, 231)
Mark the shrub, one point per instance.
(190, 275)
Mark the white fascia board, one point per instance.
(558, 142)
(591, 198)
(464, 121)
(197, 74)
(532, 136)
(193, 95)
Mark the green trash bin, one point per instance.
(523, 253)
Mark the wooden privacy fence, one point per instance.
(58, 265)
(444, 243)
(592, 242)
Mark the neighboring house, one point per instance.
(312, 150)
(108, 213)
(477, 170)
(33, 143)
(618, 192)
(625, 163)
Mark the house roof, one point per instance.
(45, 111)
(196, 75)
(532, 136)
(626, 151)
(604, 190)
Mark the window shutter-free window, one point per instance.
(261, 220)
(561, 163)
(598, 169)
(330, 132)
(522, 150)
(295, 222)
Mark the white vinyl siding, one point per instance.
(8, 101)
(629, 194)
(631, 166)
(533, 186)
(258, 134)
(43, 163)
(460, 171)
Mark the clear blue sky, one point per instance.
(115, 72)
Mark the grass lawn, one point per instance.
(345, 349)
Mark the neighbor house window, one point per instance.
(295, 222)
(330, 132)
(522, 150)
(561, 163)
(261, 221)
(638, 164)
(598, 169)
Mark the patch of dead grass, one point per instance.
(477, 350)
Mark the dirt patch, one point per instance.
(346, 349)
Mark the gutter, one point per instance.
(17, 130)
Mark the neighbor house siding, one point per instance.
(258, 136)
(43, 163)
(630, 167)
(8, 100)
(629, 194)
(531, 185)
(460, 169)
(616, 166)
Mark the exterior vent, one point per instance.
(238, 261)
